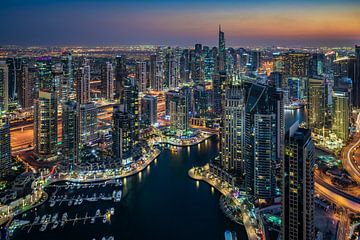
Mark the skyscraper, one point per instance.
(70, 131)
(149, 110)
(298, 185)
(27, 86)
(14, 74)
(120, 75)
(143, 75)
(179, 112)
(4, 87)
(263, 141)
(232, 131)
(83, 83)
(356, 81)
(107, 81)
(88, 124)
(221, 60)
(317, 104)
(5, 149)
(45, 109)
(121, 133)
(68, 87)
(45, 123)
(341, 113)
(131, 106)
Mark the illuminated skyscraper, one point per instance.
(341, 113)
(131, 105)
(5, 148)
(4, 87)
(122, 136)
(70, 131)
(232, 131)
(264, 126)
(83, 83)
(298, 185)
(45, 123)
(317, 104)
(179, 112)
(107, 81)
(143, 75)
(88, 124)
(45, 109)
(356, 82)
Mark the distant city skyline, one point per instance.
(183, 23)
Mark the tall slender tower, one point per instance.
(5, 149)
(356, 81)
(263, 141)
(107, 81)
(70, 131)
(4, 87)
(45, 110)
(222, 51)
(68, 76)
(298, 185)
(83, 83)
(232, 131)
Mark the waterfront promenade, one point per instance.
(250, 224)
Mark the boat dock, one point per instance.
(53, 221)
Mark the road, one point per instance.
(344, 225)
(351, 158)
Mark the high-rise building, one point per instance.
(202, 100)
(120, 75)
(264, 124)
(149, 110)
(14, 74)
(83, 83)
(27, 86)
(341, 113)
(88, 124)
(179, 112)
(143, 75)
(356, 81)
(122, 137)
(131, 106)
(219, 79)
(232, 131)
(221, 59)
(68, 85)
(317, 104)
(46, 80)
(4, 87)
(5, 148)
(70, 131)
(107, 81)
(298, 185)
(45, 123)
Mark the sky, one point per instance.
(179, 22)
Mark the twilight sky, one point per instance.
(180, 22)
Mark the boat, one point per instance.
(48, 218)
(76, 202)
(118, 196)
(80, 201)
(97, 213)
(92, 220)
(111, 238)
(78, 186)
(54, 218)
(70, 203)
(104, 219)
(43, 219)
(36, 220)
(52, 203)
(56, 223)
(112, 210)
(67, 186)
(43, 227)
